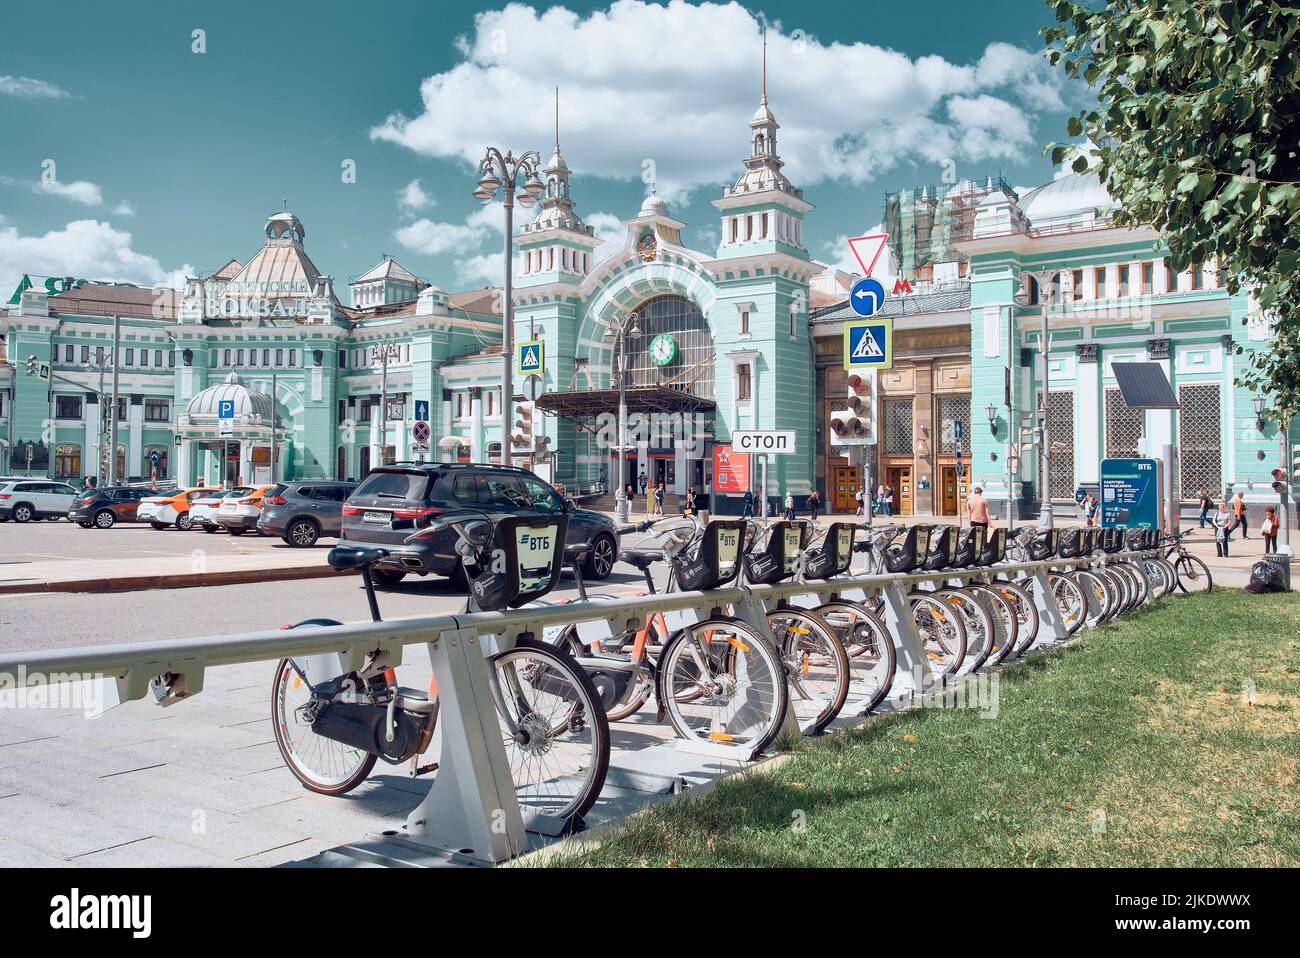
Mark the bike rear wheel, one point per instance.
(872, 658)
(1069, 599)
(942, 633)
(1027, 617)
(1192, 575)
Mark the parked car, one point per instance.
(302, 511)
(105, 508)
(240, 509)
(25, 499)
(394, 501)
(171, 508)
(203, 510)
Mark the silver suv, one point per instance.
(302, 511)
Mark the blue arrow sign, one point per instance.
(867, 297)
(154, 456)
(422, 410)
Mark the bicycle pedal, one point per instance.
(424, 769)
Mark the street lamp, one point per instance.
(103, 362)
(1258, 403)
(622, 328)
(495, 171)
(1046, 284)
(992, 412)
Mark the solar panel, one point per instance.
(1144, 386)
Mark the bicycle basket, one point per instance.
(781, 557)
(1071, 543)
(966, 548)
(995, 547)
(717, 560)
(1134, 538)
(1111, 541)
(1042, 546)
(531, 549)
(940, 553)
(906, 557)
(834, 555)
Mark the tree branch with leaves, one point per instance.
(1196, 129)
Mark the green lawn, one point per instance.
(1134, 747)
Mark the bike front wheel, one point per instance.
(721, 682)
(872, 658)
(555, 733)
(817, 667)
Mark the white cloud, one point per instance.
(79, 191)
(848, 111)
(412, 197)
(30, 88)
(485, 269)
(84, 248)
(124, 209)
(610, 231)
(433, 238)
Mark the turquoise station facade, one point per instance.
(305, 375)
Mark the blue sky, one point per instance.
(167, 161)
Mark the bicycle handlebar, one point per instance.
(635, 527)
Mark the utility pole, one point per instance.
(1013, 420)
(1284, 540)
(113, 477)
(275, 425)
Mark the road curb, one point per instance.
(178, 580)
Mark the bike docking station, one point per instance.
(473, 814)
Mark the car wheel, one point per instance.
(235, 531)
(104, 519)
(159, 525)
(302, 533)
(209, 527)
(23, 512)
(600, 560)
(386, 576)
(184, 522)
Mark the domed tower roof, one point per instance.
(654, 205)
(247, 401)
(557, 206)
(285, 226)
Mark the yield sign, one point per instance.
(867, 249)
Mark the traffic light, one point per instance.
(31, 365)
(522, 436)
(1295, 462)
(1279, 480)
(854, 423)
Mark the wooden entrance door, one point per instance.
(947, 491)
(900, 478)
(845, 482)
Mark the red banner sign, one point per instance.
(730, 470)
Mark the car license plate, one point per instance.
(375, 517)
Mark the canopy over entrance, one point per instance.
(588, 404)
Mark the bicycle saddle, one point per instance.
(576, 551)
(343, 557)
(641, 558)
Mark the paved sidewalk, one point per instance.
(201, 568)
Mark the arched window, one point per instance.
(691, 369)
(67, 461)
(341, 463)
(162, 460)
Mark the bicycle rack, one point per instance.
(471, 813)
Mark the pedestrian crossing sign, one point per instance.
(869, 344)
(532, 358)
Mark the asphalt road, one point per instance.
(62, 620)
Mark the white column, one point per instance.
(1087, 439)
(90, 452)
(1160, 422)
(185, 467)
(476, 431)
(135, 441)
(376, 437)
(246, 461)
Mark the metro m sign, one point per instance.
(768, 442)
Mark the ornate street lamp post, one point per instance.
(497, 171)
(1047, 283)
(621, 329)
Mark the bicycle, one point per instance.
(331, 729)
(1191, 574)
(717, 681)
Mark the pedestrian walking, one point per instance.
(747, 504)
(1268, 529)
(1206, 504)
(814, 504)
(1090, 507)
(859, 497)
(1222, 522)
(1239, 514)
(690, 501)
(977, 509)
(659, 499)
(889, 500)
(789, 506)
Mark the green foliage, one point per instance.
(1197, 128)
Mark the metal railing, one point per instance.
(471, 807)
